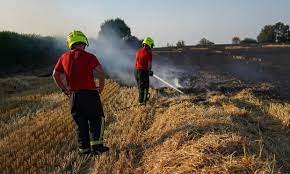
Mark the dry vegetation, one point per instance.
(254, 47)
(276, 46)
(236, 133)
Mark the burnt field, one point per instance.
(231, 119)
(228, 68)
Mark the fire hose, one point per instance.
(163, 81)
(168, 84)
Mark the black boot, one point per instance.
(99, 149)
(86, 151)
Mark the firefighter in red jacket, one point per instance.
(143, 66)
(86, 108)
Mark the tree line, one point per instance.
(278, 33)
(31, 49)
(27, 49)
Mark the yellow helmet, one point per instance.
(149, 41)
(75, 37)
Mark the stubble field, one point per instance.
(214, 132)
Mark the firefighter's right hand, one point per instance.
(151, 73)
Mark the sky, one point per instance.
(167, 21)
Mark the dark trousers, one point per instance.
(142, 78)
(87, 112)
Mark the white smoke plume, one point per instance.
(117, 58)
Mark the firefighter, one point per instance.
(86, 108)
(143, 66)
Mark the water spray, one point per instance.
(168, 84)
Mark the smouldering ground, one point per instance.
(236, 133)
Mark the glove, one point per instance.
(151, 73)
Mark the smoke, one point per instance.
(118, 58)
(52, 18)
(172, 72)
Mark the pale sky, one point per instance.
(164, 20)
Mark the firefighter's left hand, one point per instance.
(151, 73)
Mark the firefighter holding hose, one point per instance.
(86, 108)
(143, 66)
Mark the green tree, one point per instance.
(115, 29)
(281, 32)
(278, 33)
(236, 40)
(116, 32)
(267, 35)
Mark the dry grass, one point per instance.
(195, 48)
(276, 46)
(227, 134)
(263, 46)
(280, 111)
(237, 47)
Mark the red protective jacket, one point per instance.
(78, 69)
(143, 59)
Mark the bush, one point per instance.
(249, 41)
